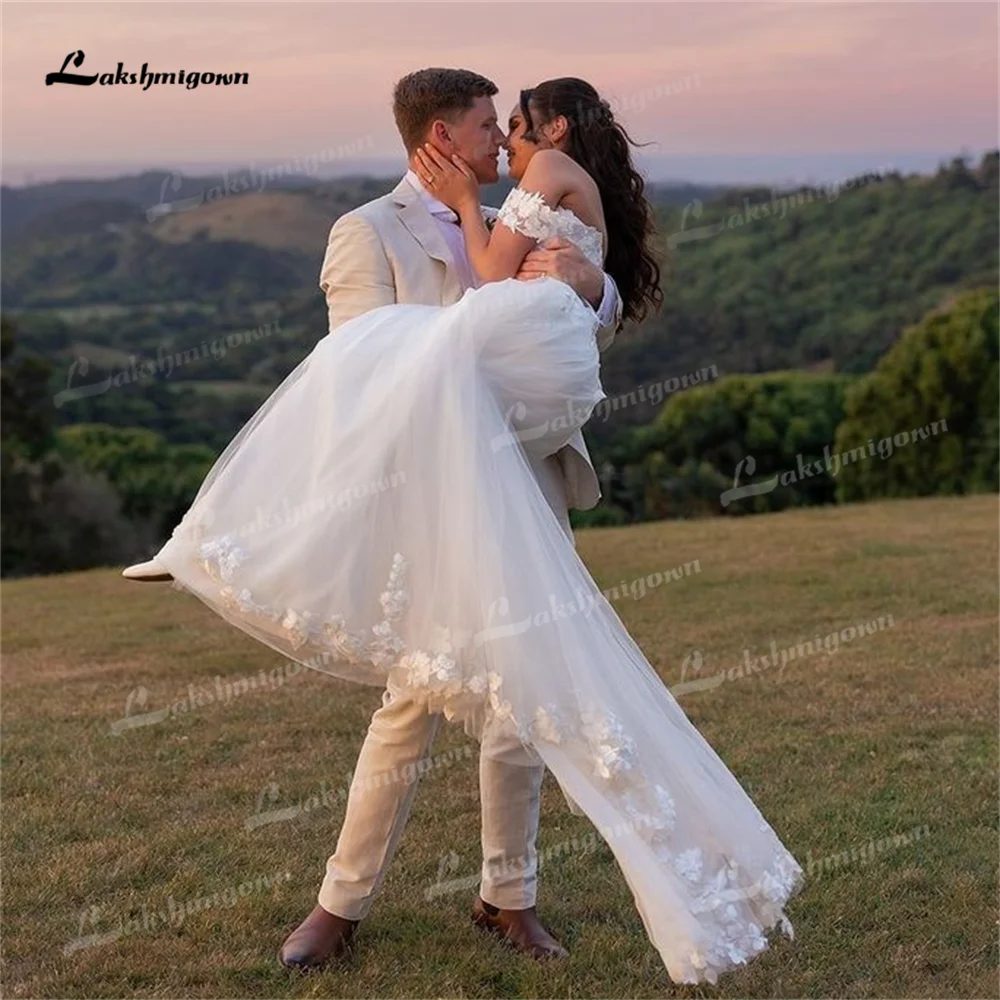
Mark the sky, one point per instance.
(722, 91)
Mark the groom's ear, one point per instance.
(441, 136)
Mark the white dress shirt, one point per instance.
(446, 220)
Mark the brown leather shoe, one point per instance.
(521, 929)
(319, 938)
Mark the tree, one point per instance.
(54, 516)
(156, 481)
(926, 417)
(710, 439)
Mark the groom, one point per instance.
(408, 248)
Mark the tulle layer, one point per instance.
(378, 520)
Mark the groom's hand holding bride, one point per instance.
(559, 258)
(454, 183)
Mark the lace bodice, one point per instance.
(526, 212)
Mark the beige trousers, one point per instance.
(399, 736)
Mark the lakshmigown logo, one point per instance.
(184, 78)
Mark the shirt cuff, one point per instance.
(606, 310)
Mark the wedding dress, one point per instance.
(377, 519)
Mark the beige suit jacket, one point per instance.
(390, 251)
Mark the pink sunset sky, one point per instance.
(725, 87)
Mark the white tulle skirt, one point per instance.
(378, 519)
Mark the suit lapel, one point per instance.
(423, 228)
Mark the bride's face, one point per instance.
(519, 149)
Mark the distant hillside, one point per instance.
(822, 279)
(275, 220)
(120, 244)
(136, 240)
(125, 262)
(153, 193)
(20, 205)
(754, 280)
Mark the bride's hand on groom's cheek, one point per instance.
(450, 181)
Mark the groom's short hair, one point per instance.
(421, 97)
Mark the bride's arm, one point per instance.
(499, 254)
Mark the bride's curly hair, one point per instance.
(601, 146)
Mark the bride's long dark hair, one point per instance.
(601, 146)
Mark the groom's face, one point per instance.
(476, 137)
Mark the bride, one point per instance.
(378, 519)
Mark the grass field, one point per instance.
(876, 765)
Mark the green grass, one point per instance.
(889, 745)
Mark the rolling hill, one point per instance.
(820, 279)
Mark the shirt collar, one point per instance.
(434, 206)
